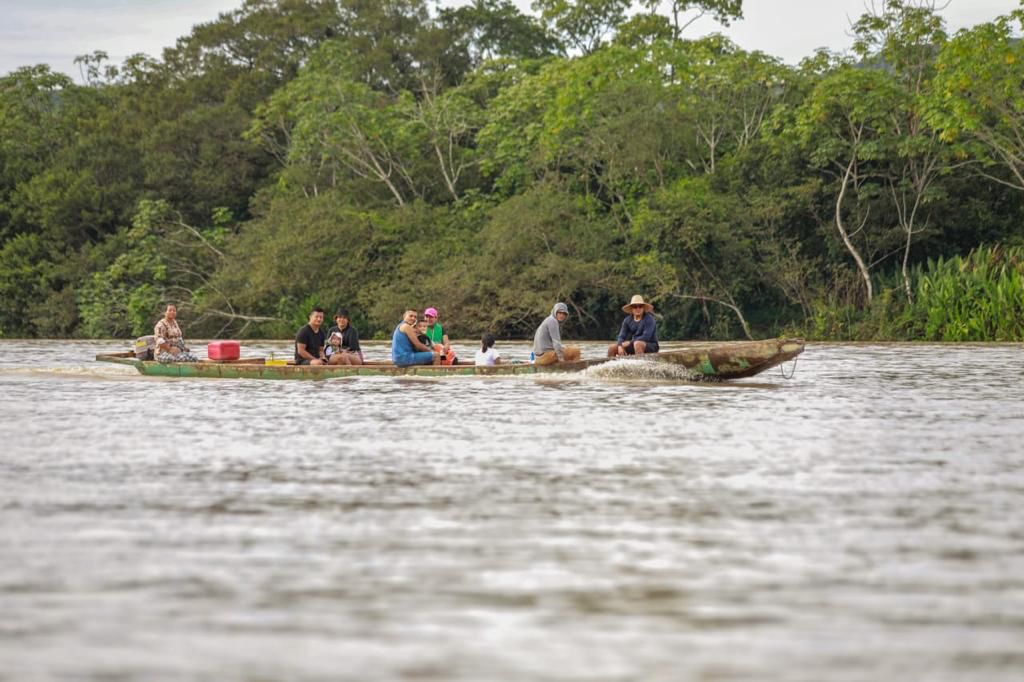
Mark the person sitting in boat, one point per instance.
(310, 340)
(437, 335)
(421, 335)
(343, 342)
(639, 332)
(170, 346)
(487, 355)
(406, 348)
(547, 340)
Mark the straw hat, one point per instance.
(637, 300)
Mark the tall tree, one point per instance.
(727, 94)
(450, 120)
(905, 36)
(846, 127)
(682, 13)
(263, 42)
(977, 96)
(491, 29)
(337, 127)
(31, 132)
(583, 25)
(390, 41)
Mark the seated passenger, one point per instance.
(639, 332)
(310, 340)
(487, 355)
(406, 348)
(437, 335)
(547, 340)
(170, 346)
(343, 342)
(423, 334)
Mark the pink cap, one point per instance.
(430, 311)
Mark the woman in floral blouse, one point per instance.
(170, 347)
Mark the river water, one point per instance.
(861, 520)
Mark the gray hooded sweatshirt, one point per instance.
(548, 335)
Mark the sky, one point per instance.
(54, 32)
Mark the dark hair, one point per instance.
(342, 312)
(317, 309)
(486, 342)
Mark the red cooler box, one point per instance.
(223, 350)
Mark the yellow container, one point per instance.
(276, 363)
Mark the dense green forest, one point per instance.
(384, 155)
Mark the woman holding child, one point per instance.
(343, 342)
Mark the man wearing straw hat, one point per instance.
(639, 332)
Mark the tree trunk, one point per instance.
(846, 237)
(906, 275)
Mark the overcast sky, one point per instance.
(54, 32)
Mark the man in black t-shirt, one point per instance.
(309, 342)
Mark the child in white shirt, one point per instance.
(487, 355)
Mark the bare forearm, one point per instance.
(411, 335)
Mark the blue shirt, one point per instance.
(646, 329)
(400, 344)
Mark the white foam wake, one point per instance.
(93, 371)
(640, 370)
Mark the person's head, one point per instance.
(341, 318)
(421, 326)
(560, 312)
(430, 315)
(171, 311)
(637, 306)
(410, 317)
(487, 342)
(316, 317)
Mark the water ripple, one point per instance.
(859, 521)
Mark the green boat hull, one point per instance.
(734, 360)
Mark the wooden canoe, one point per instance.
(714, 361)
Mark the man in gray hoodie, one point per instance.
(547, 340)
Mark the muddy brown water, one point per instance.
(860, 521)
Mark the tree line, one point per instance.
(378, 156)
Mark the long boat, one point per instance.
(714, 361)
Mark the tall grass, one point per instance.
(979, 297)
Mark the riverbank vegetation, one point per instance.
(488, 162)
